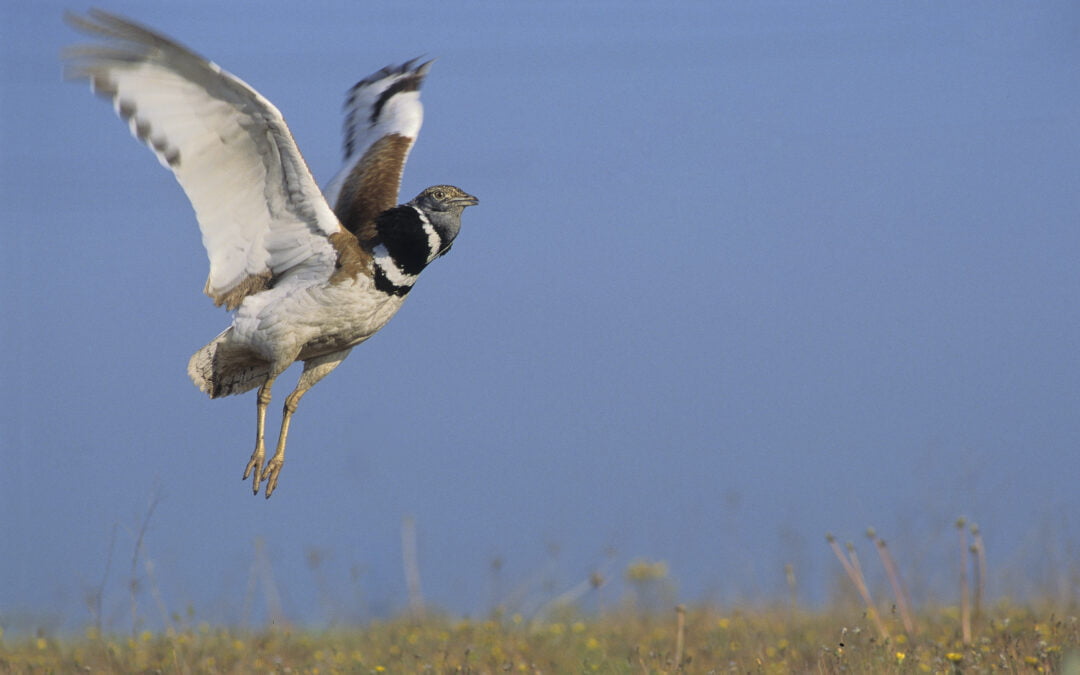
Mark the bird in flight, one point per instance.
(308, 274)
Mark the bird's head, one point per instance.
(444, 199)
(443, 204)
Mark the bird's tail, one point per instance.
(222, 368)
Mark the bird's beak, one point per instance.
(467, 200)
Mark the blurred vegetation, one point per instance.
(866, 628)
(769, 640)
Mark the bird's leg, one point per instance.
(255, 464)
(314, 370)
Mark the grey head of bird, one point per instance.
(443, 204)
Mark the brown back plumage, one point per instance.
(383, 115)
(372, 186)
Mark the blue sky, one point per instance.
(742, 274)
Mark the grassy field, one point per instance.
(643, 632)
(1006, 639)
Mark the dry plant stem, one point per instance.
(854, 557)
(965, 592)
(843, 561)
(273, 597)
(133, 580)
(565, 599)
(249, 593)
(96, 599)
(793, 591)
(980, 570)
(170, 629)
(870, 609)
(976, 609)
(412, 566)
(860, 584)
(899, 592)
(155, 593)
(680, 634)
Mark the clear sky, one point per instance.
(742, 274)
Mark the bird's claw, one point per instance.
(255, 468)
(270, 474)
(261, 473)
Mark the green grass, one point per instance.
(1006, 639)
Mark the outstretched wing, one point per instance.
(259, 208)
(383, 115)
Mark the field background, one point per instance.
(587, 627)
(742, 275)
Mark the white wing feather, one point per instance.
(259, 209)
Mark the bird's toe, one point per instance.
(270, 475)
(254, 469)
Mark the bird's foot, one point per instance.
(271, 471)
(255, 468)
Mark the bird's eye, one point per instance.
(439, 194)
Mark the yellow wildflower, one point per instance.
(641, 570)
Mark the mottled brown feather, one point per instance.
(232, 297)
(352, 261)
(372, 187)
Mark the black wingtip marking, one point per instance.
(408, 83)
(389, 71)
(411, 77)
